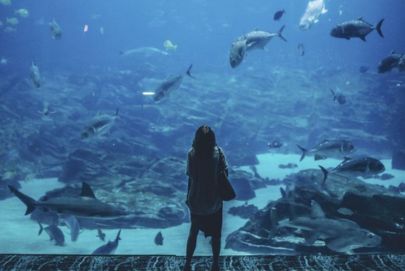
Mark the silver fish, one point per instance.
(328, 148)
(355, 167)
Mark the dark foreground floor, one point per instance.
(119, 262)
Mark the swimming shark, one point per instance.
(85, 205)
(108, 248)
(339, 235)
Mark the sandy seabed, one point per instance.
(19, 234)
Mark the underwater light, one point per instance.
(148, 93)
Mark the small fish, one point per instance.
(301, 49)
(22, 12)
(13, 21)
(277, 16)
(108, 248)
(35, 75)
(328, 148)
(340, 98)
(159, 239)
(356, 29)
(169, 45)
(101, 235)
(55, 234)
(355, 167)
(56, 30)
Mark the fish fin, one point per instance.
(188, 72)
(378, 28)
(316, 210)
(40, 229)
(28, 201)
(304, 152)
(325, 174)
(280, 33)
(87, 191)
(363, 38)
(319, 157)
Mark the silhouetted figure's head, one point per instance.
(204, 142)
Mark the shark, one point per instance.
(339, 235)
(84, 205)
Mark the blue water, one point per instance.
(202, 29)
(280, 88)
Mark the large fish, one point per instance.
(339, 235)
(99, 126)
(170, 85)
(328, 148)
(356, 29)
(85, 205)
(256, 39)
(314, 10)
(108, 248)
(355, 167)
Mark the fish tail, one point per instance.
(118, 236)
(280, 33)
(304, 152)
(188, 72)
(29, 202)
(378, 28)
(325, 174)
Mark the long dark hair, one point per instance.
(204, 142)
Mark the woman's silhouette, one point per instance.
(205, 161)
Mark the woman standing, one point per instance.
(204, 164)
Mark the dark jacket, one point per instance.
(203, 194)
